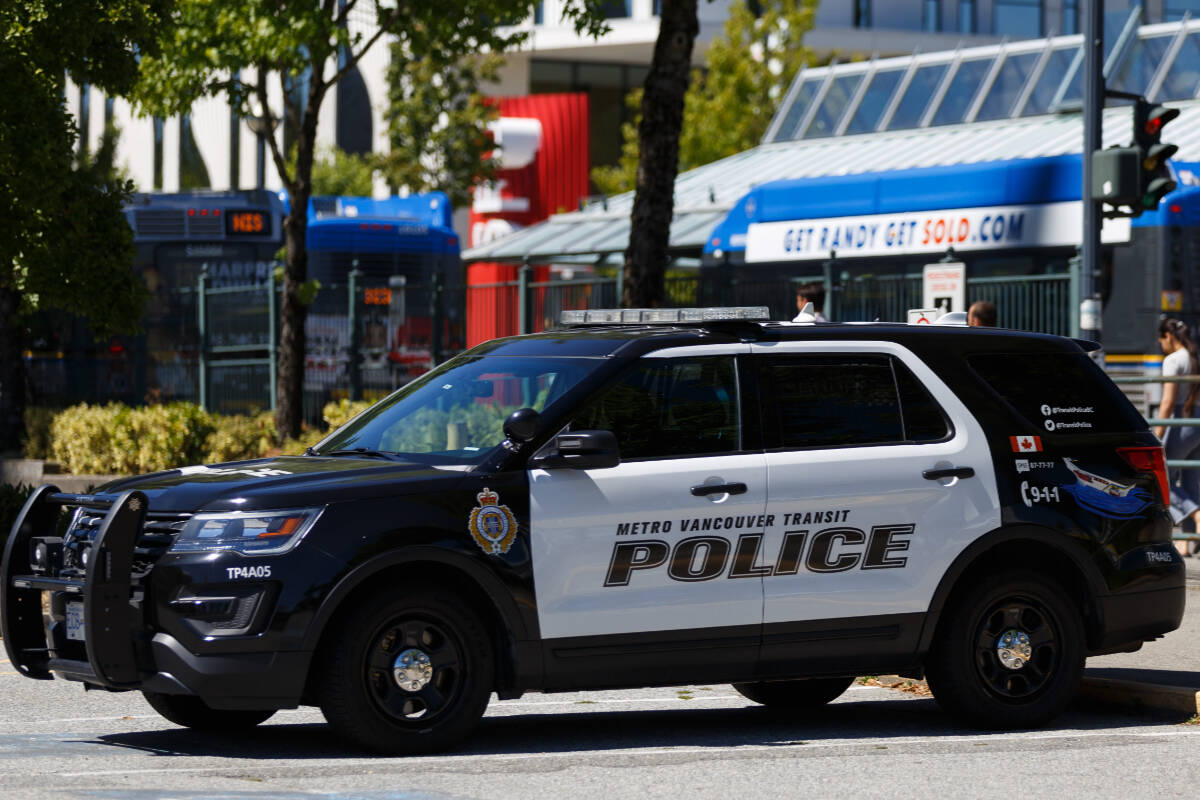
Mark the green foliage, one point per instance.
(36, 439)
(728, 106)
(336, 172)
(339, 412)
(239, 437)
(116, 439)
(64, 241)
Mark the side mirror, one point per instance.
(521, 425)
(580, 450)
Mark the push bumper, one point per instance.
(119, 651)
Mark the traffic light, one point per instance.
(1148, 122)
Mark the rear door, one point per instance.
(877, 477)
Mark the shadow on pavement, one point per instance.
(575, 732)
(1189, 678)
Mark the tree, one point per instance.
(64, 241)
(306, 47)
(727, 109)
(658, 154)
(437, 117)
(336, 172)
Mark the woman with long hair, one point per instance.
(1179, 402)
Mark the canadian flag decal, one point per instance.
(1026, 444)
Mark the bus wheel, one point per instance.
(411, 671)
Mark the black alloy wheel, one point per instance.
(409, 671)
(1008, 652)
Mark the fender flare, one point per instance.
(1071, 547)
(491, 586)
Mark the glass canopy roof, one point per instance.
(1004, 81)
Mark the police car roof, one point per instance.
(598, 341)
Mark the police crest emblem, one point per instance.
(492, 526)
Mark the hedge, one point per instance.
(115, 439)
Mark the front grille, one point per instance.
(159, 222)
(158, 534)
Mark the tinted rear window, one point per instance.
(1064, 393)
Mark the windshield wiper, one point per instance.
(363, 452)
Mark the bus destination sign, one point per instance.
(247, 222)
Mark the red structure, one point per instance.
(544, 145)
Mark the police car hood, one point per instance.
(283, 482)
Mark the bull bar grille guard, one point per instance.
(105, 590)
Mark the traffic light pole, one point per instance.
(1093, 110)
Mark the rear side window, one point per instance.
(1063, 393)
(847, 399)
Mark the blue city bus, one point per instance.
(404, 250)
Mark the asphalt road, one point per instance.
(58, 741)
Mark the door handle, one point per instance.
(948, 472)
(705, 489)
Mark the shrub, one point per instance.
(239, 438)
(36, 441)
(116, 439)
(339, 412)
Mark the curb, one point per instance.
(1140, 696)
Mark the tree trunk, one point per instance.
(658, 154)
(289, 385)
(12, 374)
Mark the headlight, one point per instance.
(249, 533)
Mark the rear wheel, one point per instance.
(411, 671)
(192, 712)
(1009, 654)
(798, 694)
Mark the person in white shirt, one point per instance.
(1179, 401)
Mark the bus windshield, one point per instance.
(455, 414)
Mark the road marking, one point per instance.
(641, 751)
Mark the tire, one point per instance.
(444, 649)
(795, 695)
(986, 686)
(190, 711)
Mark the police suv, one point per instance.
(649, 497)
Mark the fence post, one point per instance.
(827, 279)
(1075, 271)
(272, 337)
(437, 317)
(354, 360)
(523, 297)
(620, 282)
(202, 322)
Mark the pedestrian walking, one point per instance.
(1182, 357)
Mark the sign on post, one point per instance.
(944, 287)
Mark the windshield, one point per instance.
(455, 414)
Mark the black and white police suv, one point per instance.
(645, 498)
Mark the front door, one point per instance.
(654, 551)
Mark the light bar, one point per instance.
(652, 316)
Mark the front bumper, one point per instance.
(119, 651)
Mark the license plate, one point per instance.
(75, 621)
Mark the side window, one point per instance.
(669, 407)
(846, 400)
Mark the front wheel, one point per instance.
(795, 695)
(1009, 654)
(192, 712)
(411, 671)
